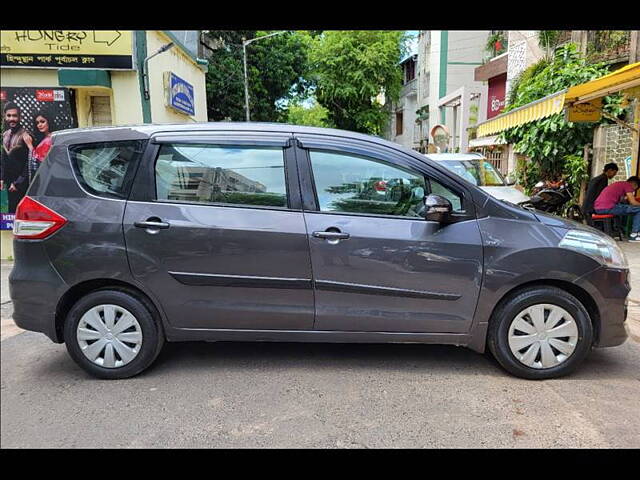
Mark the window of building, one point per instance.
(235, 175)
(409, 70)
(101, 111)
(354, 184)
(399, 126)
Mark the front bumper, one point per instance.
(609, 288)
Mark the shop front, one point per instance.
(583, 103)
(86, 78)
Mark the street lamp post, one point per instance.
(145, 67)
(246, 42)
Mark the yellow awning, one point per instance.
(625, 78)
(528, 113)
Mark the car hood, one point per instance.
(510, 194)
(560, 222)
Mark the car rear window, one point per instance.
(107, 168)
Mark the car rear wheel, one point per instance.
(540, 332)
(112, 334)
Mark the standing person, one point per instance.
(595, 188)
(44, 126)
(608, 202)
(15, 157)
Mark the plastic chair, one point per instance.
(609, 224)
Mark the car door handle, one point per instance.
(152, 225)
(331, 235)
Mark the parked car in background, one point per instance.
(132, 236)
(476, 169)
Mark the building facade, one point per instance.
(100, 76)
(611, 143)
(443, 90)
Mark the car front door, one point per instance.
(378, 265)
(215, 230)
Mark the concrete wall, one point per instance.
(407, 105)
(612, 143)
(523, 51)
(178, 62)
(126, 87)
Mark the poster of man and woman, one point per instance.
(30, 116)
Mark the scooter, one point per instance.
(554, 201)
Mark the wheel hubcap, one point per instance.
(109, 336)
(543, 336)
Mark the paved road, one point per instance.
(315, 395)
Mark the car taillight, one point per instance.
(34, 220)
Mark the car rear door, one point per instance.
(378, 265)
(215, 230)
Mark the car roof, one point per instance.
(155, 128)
(439, 157)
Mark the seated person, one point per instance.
(596, 185)
(608, 202)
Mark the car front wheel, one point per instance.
(540, 332)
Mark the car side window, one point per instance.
(355, 184)
(455, 198)
(237, 175)
(106, 169)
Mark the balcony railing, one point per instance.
(610, 46)
(409, 88)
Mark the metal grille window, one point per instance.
(101, 111)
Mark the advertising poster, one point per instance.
(29, 116)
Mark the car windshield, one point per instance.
(479, 172)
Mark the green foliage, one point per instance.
(250, 198)
(490, 46)
(349, 68)
(276, 68)
(576, 168)
(549, 142)
(524, 77)
(315, 115)
(548, 39)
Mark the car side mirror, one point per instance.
(511, 180)
(437, 208)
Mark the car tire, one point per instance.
(512, 325)
(117, 362)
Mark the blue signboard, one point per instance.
(6, 221)
(180, 94)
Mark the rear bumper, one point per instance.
(609, 288)
(35, 288)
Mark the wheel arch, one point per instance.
(75, 293)
(581, 294)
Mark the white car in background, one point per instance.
(476, 169)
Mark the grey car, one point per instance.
(130, 237)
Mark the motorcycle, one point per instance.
(555, 200)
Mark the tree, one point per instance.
(349, 69)
(276, 68)
(552, 143)
(314, 115)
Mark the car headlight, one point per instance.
(602, 248)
